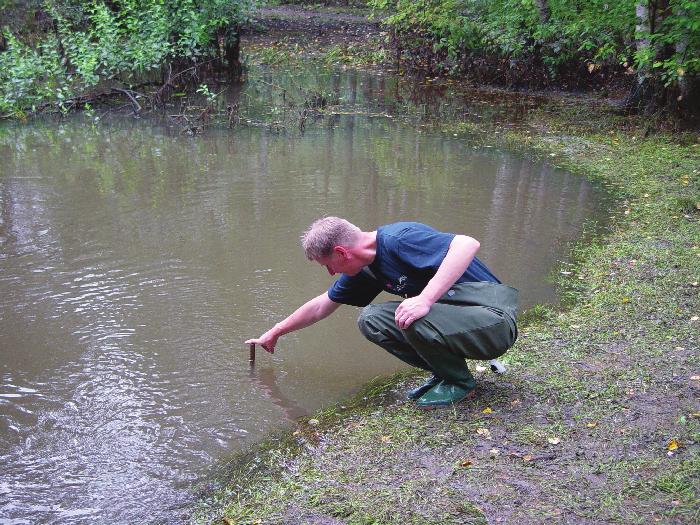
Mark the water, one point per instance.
(135, 260)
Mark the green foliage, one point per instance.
(592, 34)
(98, 40)
(30, 76)
(513, 28)
(679, 31)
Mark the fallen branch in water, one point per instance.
(128, 93)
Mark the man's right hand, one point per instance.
(268, 340)
(307, 314)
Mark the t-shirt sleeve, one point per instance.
(356, 290)
(425, 248)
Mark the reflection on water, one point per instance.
(265, 379)
(134, 261)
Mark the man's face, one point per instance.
(341, 260)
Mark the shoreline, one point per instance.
(597, 419)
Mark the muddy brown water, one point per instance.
(135, 260)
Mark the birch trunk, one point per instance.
(543, 10)
(640, 96)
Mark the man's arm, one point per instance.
(458, 258)
(307, 314)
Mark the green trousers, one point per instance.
(471, 321)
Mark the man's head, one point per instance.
(330, 242)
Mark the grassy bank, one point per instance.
(597, 419)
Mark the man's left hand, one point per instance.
(411, 310)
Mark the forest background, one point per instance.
(645, 53)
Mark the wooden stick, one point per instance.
(252, 352)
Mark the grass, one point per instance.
(597, 420)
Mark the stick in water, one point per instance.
(252, 352)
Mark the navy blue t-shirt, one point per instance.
(408, 256)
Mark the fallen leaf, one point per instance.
(487, 410)
(386, 439)
(625, 300)
(575, 326)
(466, 463)
(673, 445)
(592, 424)
(527, 457)
(554, 440)
(484, 432)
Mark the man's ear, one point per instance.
(342, 251)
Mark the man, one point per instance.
(453, 307)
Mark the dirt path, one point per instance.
(322, 26)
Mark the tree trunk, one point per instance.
(543, 10)
(641, 95)
(228, 42)
(232, 54)
(681, 47)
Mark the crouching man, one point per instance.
(453, 307)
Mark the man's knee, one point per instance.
(376, 322)
(364, 321)
(423, 332)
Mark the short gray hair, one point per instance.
(325, 234)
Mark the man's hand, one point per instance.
(268, 341)
(411, 310)
(307, 314)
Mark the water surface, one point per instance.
(135, 259)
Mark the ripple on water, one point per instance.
(128, 281)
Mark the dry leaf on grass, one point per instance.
(484, 432)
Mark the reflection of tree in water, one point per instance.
(265, 379)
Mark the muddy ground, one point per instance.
(296, 24)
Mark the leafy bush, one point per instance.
(98, 40)
(29, 77)
(557, 35)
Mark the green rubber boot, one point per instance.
(417, 392)
(444, 394)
